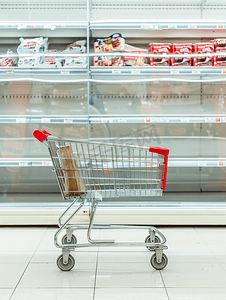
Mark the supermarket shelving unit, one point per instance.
(179, 108)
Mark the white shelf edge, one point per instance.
(114, 120)
(173, 162)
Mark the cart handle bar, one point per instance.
(41, 135)
(162, 151)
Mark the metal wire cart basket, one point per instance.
(97, 171)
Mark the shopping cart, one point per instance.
(93, 171)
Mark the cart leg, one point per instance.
(66, 222)
(60, 218)
(93, 211)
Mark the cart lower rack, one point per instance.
(93, 171)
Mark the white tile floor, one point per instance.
(196, 268)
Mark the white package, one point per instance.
(75, 48)
(29, 61)
(34, 45)
(51, 61)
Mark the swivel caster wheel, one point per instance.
(147, 240)
(65, 267)
(65, 242)
(161, 265)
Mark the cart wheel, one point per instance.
(161, 265)
(70, 265)
(209, 63)
(65, 242)
(186, 63)
(165, 63)
(147, 240)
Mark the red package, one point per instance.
(203, 48)
(159, 48)
(220, 46)
(219, 42)
(181, 49)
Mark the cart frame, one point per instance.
(155, 240)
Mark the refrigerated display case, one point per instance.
(181, 108)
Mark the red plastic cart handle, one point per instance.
(162, 151)
(41, 135)
(158, 150)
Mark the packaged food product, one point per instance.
(51, 62)
(34, 45)
(220, 46)
(29, 61)
(134, 60)
(75, 62)
(115, 42)
(114, 61)
(159, 48)
(181, 49)
(219, 43)
(8, 61)
(75, 48)
(203, 48)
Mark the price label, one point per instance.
(122, 121)
(47, 26)
(9, 71)
(45, 120)
(20, 120)
(116, 71)
(220, 26)
(201, 163)
(196, 71)
(46, 163)
(150, 27)
(23, 163)
(175, 72)
(68, 120)
(135, 72)
(220, 163)
(192, 26)
(147, 27)
(65, 72)
(209, 120)
(172, 26)
(21, 26)
(185, 120)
